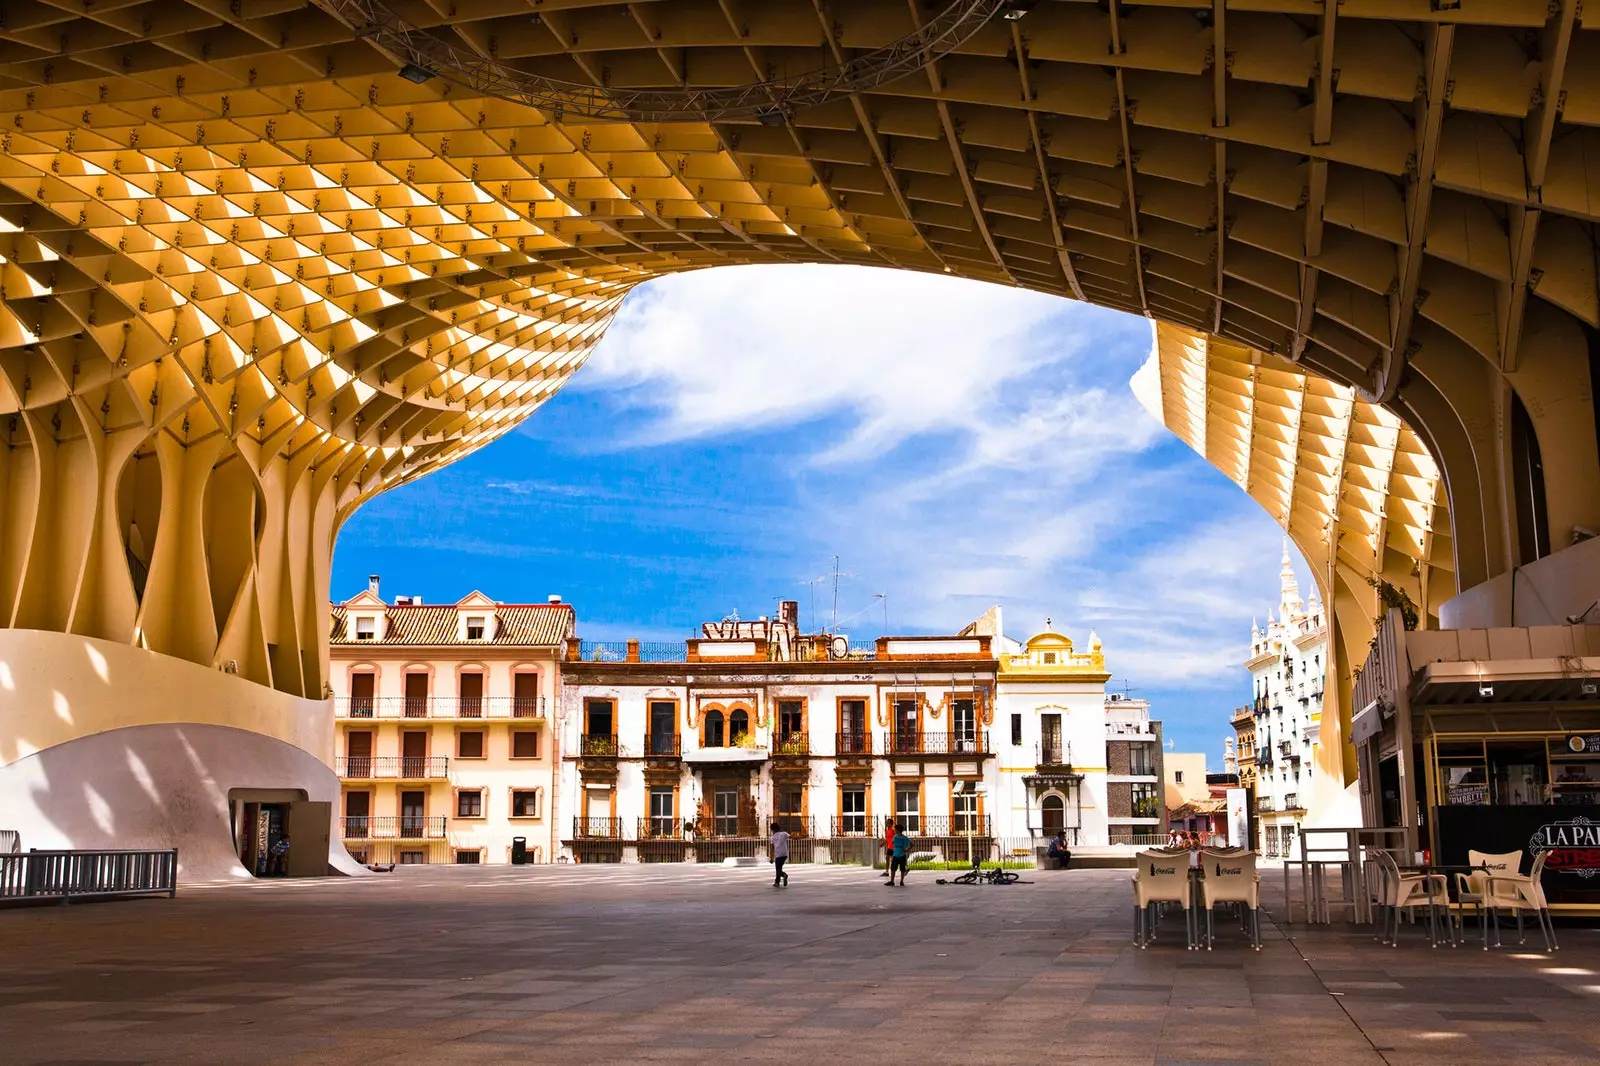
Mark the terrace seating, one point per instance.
(1229, 876)
(1517, 892)
(1472, 888)
(1162, 876)
(1409, 891)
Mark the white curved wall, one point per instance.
(108, 746)
(158, 786)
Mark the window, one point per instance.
(469, 804)
(853, 738)
(413, 858)
(524, 803)
(663, 804)
(964, 808)
(1050, 748)
(525, 744)
(738, 727)
(905, 727)
(1049, 658)
(599, 718)
(908, 805)
(468, 858)
(791, 808)
(1016, 730)
(1053, 810)
(714, 729)
(964, 725)
(725, 812)
(1144, 802)
(1140, 761)
(791, 718)
(475, 627)
(469, 744)
(366, 628)
(853, 809)
(663, 735)
(1177, 777)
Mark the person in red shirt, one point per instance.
(888, 849)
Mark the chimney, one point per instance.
(554, 598)
(416, 601)
(402, 601)
(372, 584)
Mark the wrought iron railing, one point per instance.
(68, 875)
(622, 651)
(598, 745)
(392, 767)
(392, 827)
(853, 743)
(972, 742)
(392, 707)
(1054, 753)
(597, 828)
(855, 825)
(663, 745)
(796, 745)
(659, 829)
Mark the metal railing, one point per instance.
(398, 707)
(10, 841)
(854, 825)
(852, 743)
(598, 745)
(659, 829)
(648, 651)
(597, 828)
(797, 745)
(1054, 753)
(796, 825)
(64, 875)
(663, 745)
(392, 767)
(974, 742)
(391, 827)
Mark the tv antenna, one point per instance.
(812, 586)
(836, 576)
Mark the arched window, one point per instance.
(714, 737)
(738, 726)
(1054, 810)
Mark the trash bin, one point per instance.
(519, 851)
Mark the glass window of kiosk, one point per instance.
(1517, 773)
(1463, 773)
(1574, 774)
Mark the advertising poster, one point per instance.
(1238, 818)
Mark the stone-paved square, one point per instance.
(695, 964)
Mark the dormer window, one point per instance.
(366, 628)
(475, 627)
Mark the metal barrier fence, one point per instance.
(65, 875)
(10, 841)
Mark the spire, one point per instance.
(1290, 602)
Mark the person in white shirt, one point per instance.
(780, 855)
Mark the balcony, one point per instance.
(856, 825)
(854, 743)
(1054, 756)
(393, 708)
(658, 746)
(1286, 748)
(631, 651)
(392, 767)
(797, 745)
(1146, 808)
(598, 745)
(946, 825)
(975, 742)
(659, 829)
(1291, 802)
(1265, 805)
(389, 827)
(597, 828)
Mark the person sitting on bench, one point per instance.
(1058, 850)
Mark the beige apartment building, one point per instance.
(443, 745)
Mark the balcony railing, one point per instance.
(1264, 805)
(856, 825)
(659, 829)
(597, 828)
(975, 742)
(392, 767)
(1054, 753)
(617, 651)
(947, 825)
(661, 745)
(396, 707)
(598, 745)
(1291, 802)
(854, 743)
(796, 745)
(1146, 808)
(389, 827)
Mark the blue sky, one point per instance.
(956, 444)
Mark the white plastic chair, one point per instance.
(1516, 892)
(1406, 891)
(1472, 889)
(1161, 876)
(1230, 877)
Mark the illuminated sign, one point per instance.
(1570, 847)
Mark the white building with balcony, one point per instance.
(1287, 664)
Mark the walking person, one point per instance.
(888, 849)
(780, 855)
(899, 856)
(279, 865)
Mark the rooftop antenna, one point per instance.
(812, 586)
(836, 576)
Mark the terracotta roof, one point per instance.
(1195, 808)
(432, 626)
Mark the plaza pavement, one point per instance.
(579, 964)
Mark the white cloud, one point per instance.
(1039, 486)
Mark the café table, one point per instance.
(1445, 869)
